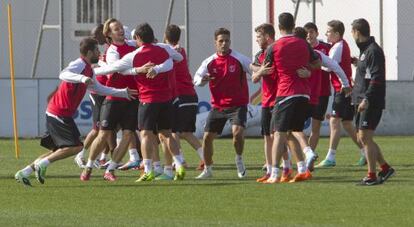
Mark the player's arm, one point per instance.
(202, 77)
(98, 88)
(175, 55)
(264, 69)
(375, 71)
(334, 66)
(72, 74)
(335, 53)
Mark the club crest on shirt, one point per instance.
(232, 68)
(214, 70)
(362, 57)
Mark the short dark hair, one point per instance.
(145, 33)
(266, 29)
(87, 44)
(221, 31)
(300, 32)
(362, 26)
(286, 21)
(337, 26)
(311, 25)
(173, 33)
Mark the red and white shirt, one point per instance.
(341, 53)
(184, 81)
(325, 76)
(229, 87)
(71, 90)
(157, 89)
(269, 83)
(116, 80)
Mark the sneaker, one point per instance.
(86, 174)
(241, 169)
(204, 175)
(96, 164)
(301, 177)
(109, 176)
(362, 161)
(158, 173)
(310, 161)
(146, 177)
(200, 166)
(383, 176)
(80, 162)
(272, 180)
(286, 175)
(40, 172)
(366, 181)
(263, 178)
(179, 173)
(326, 163)
(164, 177)
(130, 165)
(21, 178)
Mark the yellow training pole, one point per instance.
(16, 135)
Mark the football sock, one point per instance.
(200, 153)
(301, 167)
(307, 151)
(81, 153)
(168, 171)
(385, 167)
(157, 167)
(43, 162)
(275, 172)
(89, 164)
(133, 155)
(111, 167)
(286, 164)
(268, 169)
(362, 151)
(178, 160)
(27, 170)
(103, 156)
(331, 155)
(372, 175)
(147, 165)
(208, 168)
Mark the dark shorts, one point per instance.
(155, 116)
(266, 119)
(96, 101)
(290, 114)
(216, 119)
(319, 110)
(119, 112)
(367, 119)
(61, 132)
(342, 107)
(185, 113)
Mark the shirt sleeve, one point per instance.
(166, 66)
(200, 73)
(334, 66)
(125, 63)
(336, 52)
(108, 91)
(175, 55)
(375, 72)
(72, 73)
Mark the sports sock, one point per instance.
(239, 158)
(178, 160)
(308, 151)
(268, 169)
(147, 165)
(362, 151)
(81, 153)
(43, 162)
(331, 155)
(208, 168)
(89, 164)
(168, 171)
(27, 170)
(103, 156)
(200, 153)
(111, 167)
(275, 172)
(286, 164)
(133, 155)
(157, 167)
(372, 175)
(301, 167)
(385, 167)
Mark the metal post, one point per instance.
(381, 26)
(39, 38)
(187, 30)
(61, 34)
(314, 11)
(170, 8)
(296, 9)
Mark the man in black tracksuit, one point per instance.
(369, 97)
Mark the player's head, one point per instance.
(312, 31)
(286, 22)
(172, 34)
(335, 31)
(144, 34)
(265, 35)
(113, 31)
(97, 33)
(222, 40)
(360, 29)
(300, 33)
(88, 49)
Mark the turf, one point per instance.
(329, 199)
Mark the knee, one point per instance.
(208, 137)
(238, 137)
(363, 138)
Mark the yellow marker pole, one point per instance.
(16, 134)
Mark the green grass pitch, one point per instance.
(329, 199)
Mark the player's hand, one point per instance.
(347, 91)
(303, 72)
(88, 81)
(151, 73)
(265, 69)
(363, 105)
(132, 93)
(145, 68)
(207, 78)
(354, 61)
